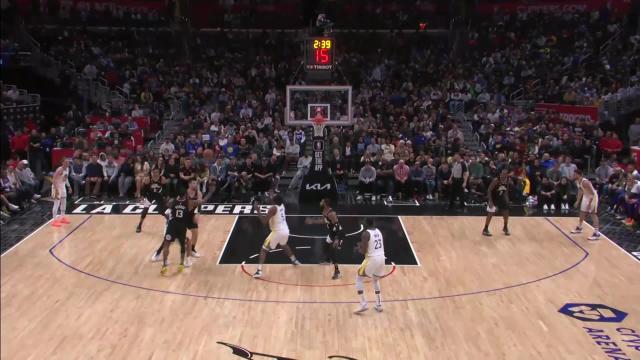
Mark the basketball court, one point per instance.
(88, 290)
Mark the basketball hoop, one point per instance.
(318, 125)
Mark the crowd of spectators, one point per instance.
(409, 89)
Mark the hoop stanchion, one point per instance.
(318, 183)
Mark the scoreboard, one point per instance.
(319, 54)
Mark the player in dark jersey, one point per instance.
(176, 229)
(498, 201)
(153, 194)
(333, 243)
(334, 239)
(194, 200)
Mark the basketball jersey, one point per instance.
(192, 200)
(333, 228)
(584, 188)
(154, 189)
(61, 182)
(178, 214)
(501, 192)
(278, 222)
(376, 245)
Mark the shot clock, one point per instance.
(320, 54)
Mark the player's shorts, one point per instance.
(172, 234)
(276, 238)
(62, 191)
(371, 266)
(191, 222)
(499, 206)
(149, 200)
(585, 207)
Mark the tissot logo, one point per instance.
(245, 353)
(593, 312)
(318, 186)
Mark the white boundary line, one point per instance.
(309, 247)
(613, 242)
(26, 237)
(324, 236)
(409, 240)
(415, 203)
(233, 226)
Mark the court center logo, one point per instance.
(593, 312)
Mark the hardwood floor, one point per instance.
(88, 291)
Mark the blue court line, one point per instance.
(210, 297)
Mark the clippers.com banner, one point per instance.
(570, 112)
(553, 7)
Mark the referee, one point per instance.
(458, 180)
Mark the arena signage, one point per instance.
(615, 344)
(133, 209)
(570, 112)
(552, 7)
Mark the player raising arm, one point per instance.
(277, 220)
(372, 246)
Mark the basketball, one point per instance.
(208, 154)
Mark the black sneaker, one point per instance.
(336, 275)
(486, 233)
(506, 231)
(139, 229)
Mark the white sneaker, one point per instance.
(156, 257)
(545, 208)
(577, 230)
(595, 236)
(378, 307)
(359, 197)
(13, 207)
(373, 197)
(296, 262)
(188, 262)
(195, 254)
(389, 198)
(553, 207)
(257, 274)
(36, 196)
(363, 307)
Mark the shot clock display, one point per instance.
(320, 52)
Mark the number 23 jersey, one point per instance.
(376, 244)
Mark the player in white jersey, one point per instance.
(59, 185)
(277, 220)
(588, 202)
(372, 246)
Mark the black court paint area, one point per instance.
(307, 241)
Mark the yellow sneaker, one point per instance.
(180, 268)
(164, 270)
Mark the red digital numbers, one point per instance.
(322, 56)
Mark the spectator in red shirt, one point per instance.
(401, 176)
(20, 144)
(610, 144)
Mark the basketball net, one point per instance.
(319, 123)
